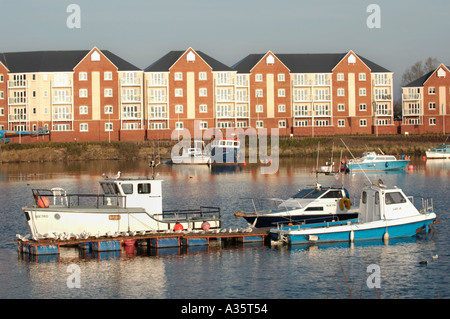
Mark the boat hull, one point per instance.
(104, 220)
(437, 155)
(271, 221)
(377, 230)
(378, 166)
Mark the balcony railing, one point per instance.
(383, 97)
(312, 83)
(225, 98)
(62, 100)
(158, 99)
(62, 117)
(383, 112)
(412, 97)
(302, 113)
(17, 84)
(130, 82)
(131, 115)
(242, 114)
(17, 101)
(413, 112)
(131, 98)
(62, 83)
(382, 82)
(159, 82)
(225, 82)
(17, 117)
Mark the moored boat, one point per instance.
(193, 155)
(225, 151)
(383, 213)
(440, 152)
(310, 205)
(127, 205)
(371, 161)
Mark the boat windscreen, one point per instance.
(110, 188)
(310, 193)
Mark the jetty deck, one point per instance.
(155, 240)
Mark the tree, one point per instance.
(418, 69)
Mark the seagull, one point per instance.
(105, 176)
(435, 257)
(117, 176)
(142, 232)
(133, 233)
(21, 238)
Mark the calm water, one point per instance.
(250, 271)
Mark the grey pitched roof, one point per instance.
(421, 80)
(166, 62)
(54, 61)
(304, 62)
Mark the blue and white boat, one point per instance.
(225, 151)
(442, 151)
(383, 213)
(307, 206)
(371, 161)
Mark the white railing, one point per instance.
(17, 84)
(17, 100)
(415, 96)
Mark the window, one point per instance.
(322, 123)
(224, 125)
(364, 197)
(108, 92)
(178, 92)
(394, 198)
(84, 109)
(259, 108)
(303, 123)
(259, 124)
(341, 107)
(179, 125)
(363, 107)
(301, 110)
(362, 122)
(178, 76)
(432, 106)
(202, 76)
(432, 121)
(130, 126)
(83, 93)
(281, 108)
(158, 112)
(84, 127)
(203, 125)
(178, 108)
(83, 76)
(107, 76)
(281, 93)
(362, 76)
(2, 111)
(108, 127)
(282, 124)
(203, 92)
(258, 77)
(259, 93)
(127, 188)
(341, 123)
(2, 95)
(321, 79)
(340, 77)
(203, 108)
(144, 188)
(431, 90)
(362, 92)
(108, 109)
(281, 77)
(59, 127)
(340, 92)
(241, 124)
(1, 78)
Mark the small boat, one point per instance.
(225, 151)
(442, 152)
(126, 205)
(310, 205)
(193, 155)
(383, 213)
(371, 161)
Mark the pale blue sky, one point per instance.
(141, 31)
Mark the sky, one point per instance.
(142, 31)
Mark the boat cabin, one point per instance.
(141, 192)
(381, 203)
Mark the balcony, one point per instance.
(131, 98)
(382, 82)
(18, 84)
(131, 115)
(158, 99)
(224, 82)
(130, 81)
(242, 114)
(62, 117)
(412, 97)
(17, 117)
(322, 113)
(62, 83)
(17, 101)
(383, 112)
(62, 100)
(302, 113)
(157, 82)
(303, 98)
(383, 97)
(312, 83)
(225, 98)
(412, 112)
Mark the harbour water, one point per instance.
(249, 271)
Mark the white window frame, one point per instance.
(340, 92)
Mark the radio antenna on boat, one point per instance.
(355, 159)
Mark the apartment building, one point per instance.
(188, 87)
(318, 94)
(77, 95)
(94, 95)
(426, 103)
